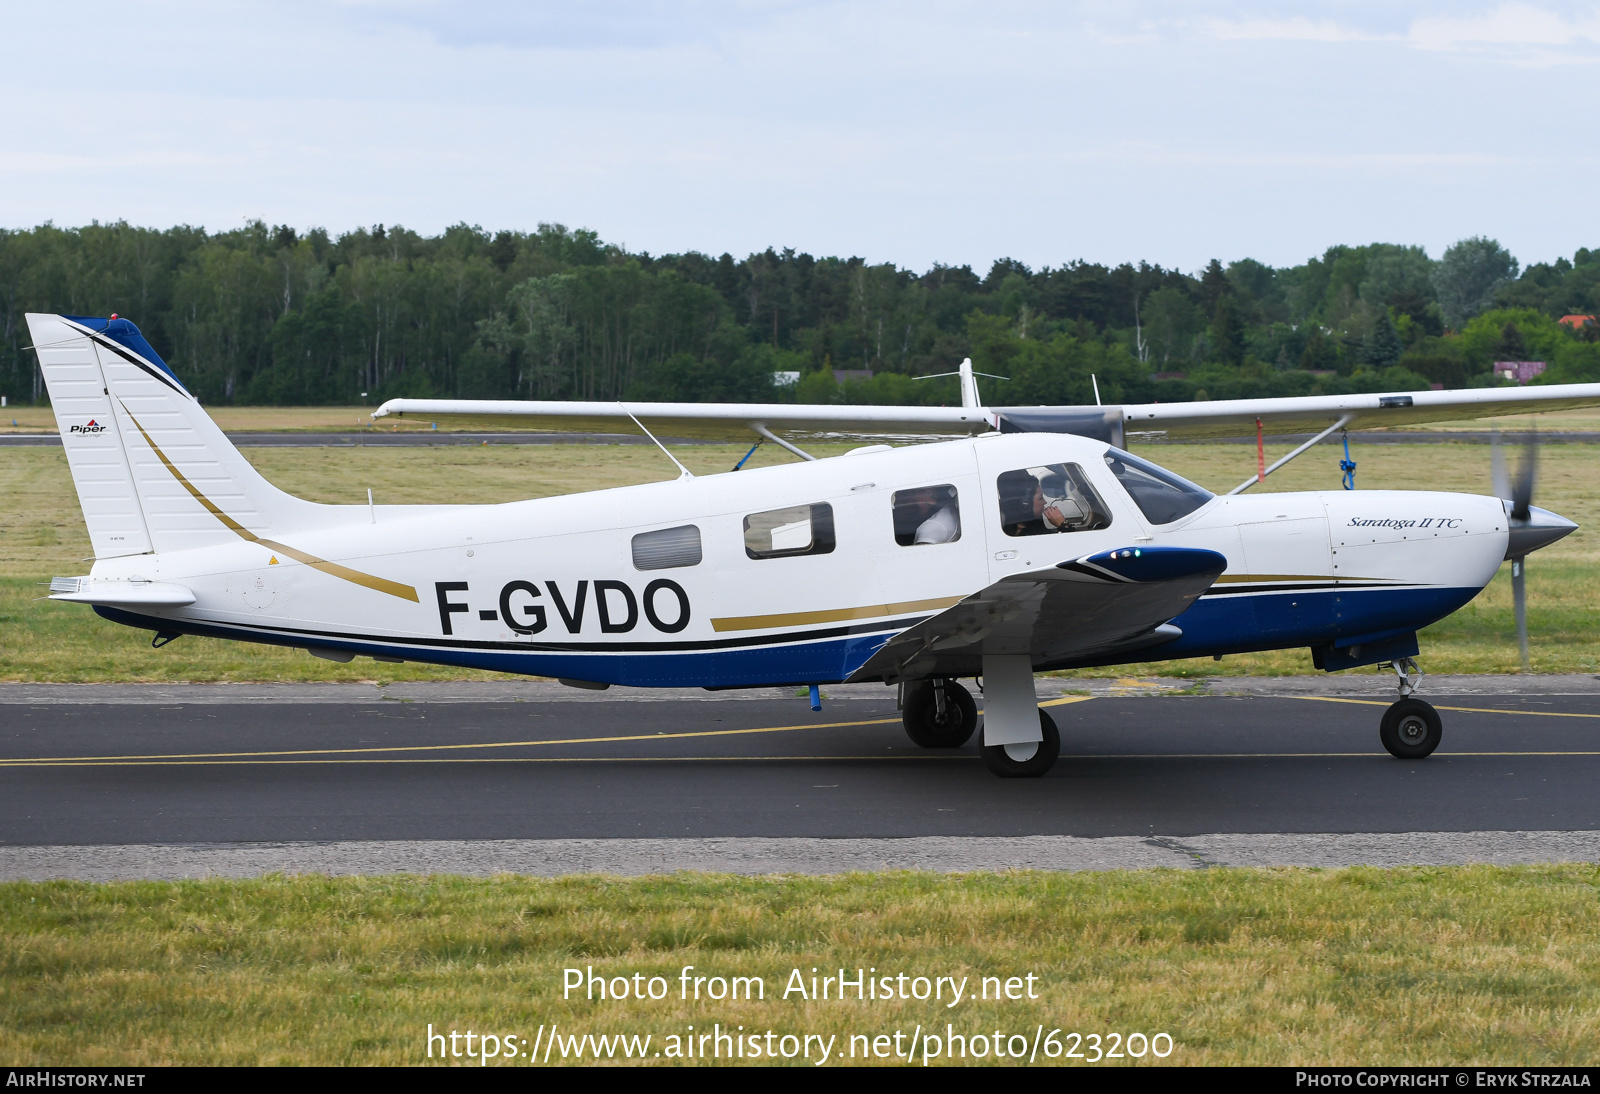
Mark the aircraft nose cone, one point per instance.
(1541, 529)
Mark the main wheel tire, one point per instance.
(924, 725)
(1002, 760)
(1410, 729)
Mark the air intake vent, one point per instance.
(668, 548)
(64, 584)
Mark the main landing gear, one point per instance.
(1411, 728)
(939, 713)
(1027, 760)
(1019, 740)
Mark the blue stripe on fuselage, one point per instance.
(1240, 623)
(1253, 622)
(827, 661)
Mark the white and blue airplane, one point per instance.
(1036, 543)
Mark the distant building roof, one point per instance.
(1576, 322)
(1520, 371)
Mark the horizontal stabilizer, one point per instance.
(121, 594)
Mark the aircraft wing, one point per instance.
(700, 421)
(1098, 604)
(1220, 418)
(1314, 413)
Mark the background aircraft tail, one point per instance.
(152, 470)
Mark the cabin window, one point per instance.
(1037, 501)
(796, 530)
(667, 548)
(925, 515)
(1160, 495)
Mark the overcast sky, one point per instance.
(914, 132)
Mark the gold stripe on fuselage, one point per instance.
(379, 584)
(831, 615)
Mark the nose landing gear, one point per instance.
(1410, 729)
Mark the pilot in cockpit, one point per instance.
(1038, 501)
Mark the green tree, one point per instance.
(1171, 321)
(1227, 330)
(1383, 345)
(1320, 354)
(1468, 277)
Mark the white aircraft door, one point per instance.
(927, 537)
(1048, 512)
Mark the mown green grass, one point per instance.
(42, 534)
(1401, 966)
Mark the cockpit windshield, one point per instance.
(1160, 495)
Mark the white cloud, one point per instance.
(1298, 29)
(1509, 26)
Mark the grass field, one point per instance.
(42, 535)
(244, 419)
(1458, 966)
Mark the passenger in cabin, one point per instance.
(926, 515)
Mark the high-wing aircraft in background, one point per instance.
(1032, 541)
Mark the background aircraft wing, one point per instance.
(1091, 606)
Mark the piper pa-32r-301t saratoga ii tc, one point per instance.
(1038, 545)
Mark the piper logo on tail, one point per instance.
(92, 427)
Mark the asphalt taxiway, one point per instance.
(531, 777)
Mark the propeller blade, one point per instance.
(1527, 474)
(1519, 598)
(1497, 468)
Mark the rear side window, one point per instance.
(796, 530)
(925, 515)
(1057, 497)
(1160, 495)
(667, 548)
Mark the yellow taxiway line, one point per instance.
(1463, 710)
(216, 757)
(369, 755)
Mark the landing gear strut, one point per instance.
(1411, 728)
(939, 713)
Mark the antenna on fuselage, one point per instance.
(686, 473)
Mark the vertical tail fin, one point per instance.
(969, 385)
(152, 470)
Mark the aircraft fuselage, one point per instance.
(798, 573)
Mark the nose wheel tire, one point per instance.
(1028, 760)
(930, 727)
(1410, 729)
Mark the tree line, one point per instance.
(271, 315)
